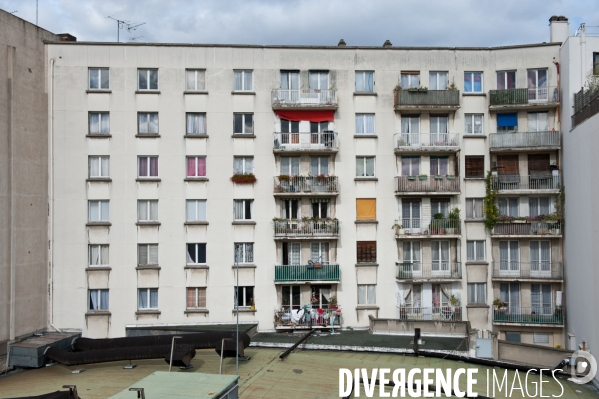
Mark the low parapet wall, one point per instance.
(427, 327)
(534, 355)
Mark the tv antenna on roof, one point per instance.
(133, 28)
(119, 24)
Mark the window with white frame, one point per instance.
(508, 206)
(410, 166)
(99, 78)
(319, 166)
(147, 79)
(506, 80)
(196, 166)
(147, 254)
(98, 255)
(477, 292)
(410, 124)
(290, 166)
(196, 254)
(98, 211)
(195, 79)
(540, 338)
(99, 167)
(538, 121)
(364, 81)
(366, 294)
(147, 210)
(473, 82)
(290, 209)
(291, 297)
(319, 80)
(539, 206)
(410, 79)
(438, 80)
(540, 298)
(147, 167)
(440, 205)
(99, 123)
(243, 123)
(440, 255)
(244, 296)
(147, 298)
(98, 300)
(244, 252)
(365, 124)
(196, 210)
(474, 123)
(196, 123)
(365, 166)
(319, 252)
(196, 297)
(475, 250)
(474, 208)
(147, 122)
(243, 165)
(320, 207)
(242, 209)
(243, 80)
(292, 253)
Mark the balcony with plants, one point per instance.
(527, 271)
(310, 272)
(427, 185)
(503, 313)
(420, 97)
(440, 225)
(524, 98)
(304, 98)
(306, 228)
(307, 317)
(285, 185)
(435, 271)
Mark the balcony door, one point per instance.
(537, 85)
(291, 297)
(412, 257)
(319, 252)
(540, 259)
(410, 130)
(538, 122)
(439, 166)
(319, 166)
(410, 215)
(322, 293)
(510, 294)
(290, 86)
(319, 88)
(509, 258)
(439, 130)
(440, 258)
(291, 253)
(540, 298)
(440, 206)
(508, 171)
(290, 166)
(290, 209)
(290, 133)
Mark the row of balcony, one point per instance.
(527, 228)
(307, 318)
(306, 228)
(311, 185)
(529, 315)
(505, 270)
(549, 180)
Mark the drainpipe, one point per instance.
(583, 49)
(11, 197)
(51, 194)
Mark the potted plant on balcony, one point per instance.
(500, 309)
(243, 178)
(399, 230)
(454, 301)
(333, 302)
(437, 227)
(452, 86)
(453, 224)
(411, 177)
(438, 177)
(423, 177)
(450, 177)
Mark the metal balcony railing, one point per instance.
(427, 98)
(307, 318)
(324, 141)
(524, 139)
(443, 313)
(427, 141)
(538, 181)
(533, 315)
(417, 184)
(304, 97)
(316, 272)
(586, 104)
(530, 270)
(428, 227)
(436, 270)
(306, 184)
(544, 228)
(306, 228)
(533, 95)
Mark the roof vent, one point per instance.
(387, 44)
(66, 37)
(341, 43)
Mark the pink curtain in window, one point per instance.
(435, 296)
(143, 166)
(154, 166)
(202, 166)
(191, 166)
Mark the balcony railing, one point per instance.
(418, 184)
(427, 141)
(534, 95)
(306, 184)
(306, 228)
(435, 270)
(316, 272)
(427, 98)
(304, 97)
(539, 181)
(444, 313)
(307, 318)
(531, 270)
(532, 315)
(428, 227)
(527, 228)
(524, 139)
(325, 141)
(586, 104)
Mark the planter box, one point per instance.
(411, 177)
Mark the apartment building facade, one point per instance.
(349, 179)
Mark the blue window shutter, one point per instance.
(507, 119)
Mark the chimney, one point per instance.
(558, 29)
(387, 44)
(341, 43)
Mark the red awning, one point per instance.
(312, 116)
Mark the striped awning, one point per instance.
(317, 200)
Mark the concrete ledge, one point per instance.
(244, 93)
(99, 179)
(199, 92)
(367, 264)
(474, 136)
(147, 91)
(196, 136)
(366, 179)
(148, 267)
(243, 222)
(149, 180)
(366, 222)
(200, 179)
(365, 93)
(90, 91)
(98, 224)
(196, 223)
(97, 313)
(196, 311)
(148, 312)
(147, 224)
(204, 267)
(98, 136)
(536, 355)
(147, 136)
(243, 136)
(98, 269)
(365, 136)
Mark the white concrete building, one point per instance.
(362, 156)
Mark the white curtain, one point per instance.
(104, 211)
(104, 254)
(196, 124)
(294, 253)
(361, 294)
(93, 299)
(239, 207)
(142, 298)
(360, 166)
(371, 294)
(153, 298)
(365, 123)
(238, 76)
(94, 255)
(94, 167)
(290, 166)
(104, 300)
(319, 165)
(369, 166)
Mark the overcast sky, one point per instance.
(310, 22)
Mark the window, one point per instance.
(244, 296)
(440, 205)
(506, 80)
(147, 298)
(289, 81)
(290, 166)
(474, 123)
(364, 82)
(507, 123)
(196, 211)
(474, 208)
(244, 252)
(243, 165)
(242, 81)
(243, 123)
(98, 300)
(242, 209)
(410, 79)
(319, 166)
(99, 167)
(512, 336)
(440, 256)
(147, 166)
(319, 252)
(291, 297)
(475, 166)
(292, 252)
(320, 127)
(365, 124)
(538, 121)
(147, 79)
(196, 123)
(290, 208)
(540, 298)
(595, 63)
(438, 80)
(196, 254)
(510, 294)
(477, 293)
(98, 211)
(536, 78)
(540, 258)
(412, 255)
(366, 251)
(147, 123)
(319, 80)
(364, 166)
(98, 255)
(196, 166)
(473, 82)
(99, 123)
(538, 206)
(366, 294)
(475, 250)
(195, 80)
(540, 338)
(410, 124)
(99, 78)
(508, 206)
(439, 165)
(196, 297)
(147, 211)
(509, 258)
(410, 166)
(366, 209)
(290, 127)
(147, 254)
(320, 207)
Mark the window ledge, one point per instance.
(479, 263)
(108, 91)
(200, 92)
(97, 313)
(367, 264)
(98, 269)
(243, 136)
(243, 222)
(365, 93)
(474, 220)
(474, 136)
(367, 307)
(196, 223)
(367, 222)
(148, 180)
(147, 91)
(98, 136)
(246, 266)
(99, 179)
(147, 136)
(93, 224)
(202, 267)
(241, 310)
(143, 312)
(196, 311)
(147, 224)
(147, 267)
(365, 136)
(477, 305)
(366, 179)
(195, 179)
(244, 93)
(474, 94)
(196, 136)
(474, 178)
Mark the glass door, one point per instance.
(509, 258)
